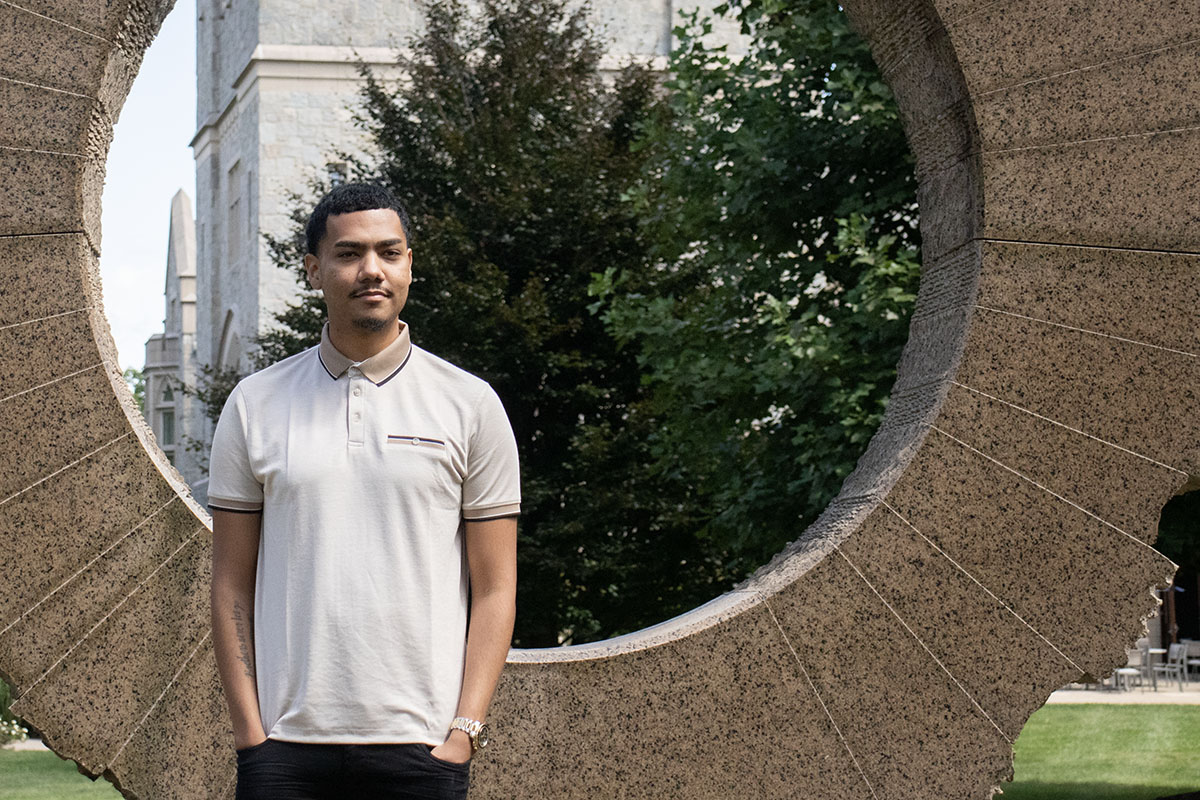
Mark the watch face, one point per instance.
(481, 738)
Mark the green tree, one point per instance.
(513, 153)
(137, 385)
(779, 206)
(691, 298)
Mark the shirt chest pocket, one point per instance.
(422, 465)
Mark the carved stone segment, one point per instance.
(85, 523)
(1064, 194)
(37, 118)
(1018, 539)
(672, 721)
(41, 276)
(98, 18)
(55, 426)
(41, 351)
(1000, 44)
(184, 749)
(904, 719)
(83, 599)
(1101, 478)
(1152, 298)
(28, 38)
(943, 607)
(1096, 384)
(43, 192)
(133, 654)
(1128, 95)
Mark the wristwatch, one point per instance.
(478, 731)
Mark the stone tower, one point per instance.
(275, 81)
(170, 355)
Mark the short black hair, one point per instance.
(346, 199)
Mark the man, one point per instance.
(357, 488)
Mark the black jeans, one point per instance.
(276, 770)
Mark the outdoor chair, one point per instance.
(1173, 668)
(1191, 657)
(1132, 671)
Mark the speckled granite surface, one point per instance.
(991, 546)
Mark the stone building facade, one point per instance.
(276, 82)
(170, 355)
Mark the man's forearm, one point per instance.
(488, 641)
(492, 559)
(233, 643)
(235, 560)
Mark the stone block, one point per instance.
(668, 721)
(1065, 194)
(38, 118)
(1144, 296)
(1101, 478)
(1121, 392)
(55, 426)
(78, 60)
(1047, 560)
(39, 352)
(1005, 43)
(134, 654)
(43, 192)
(41, 276)
(99, 583)
(61, 524)
(904, 719)
(998, 660)
(1136, 94)
(175, 747)
(102, 20)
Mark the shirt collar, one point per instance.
(379, 368)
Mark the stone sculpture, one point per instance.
(992, 545)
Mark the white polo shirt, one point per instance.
(364, 474)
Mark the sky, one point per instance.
(149, 161)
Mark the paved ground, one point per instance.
(28, 744)
(1168, 694)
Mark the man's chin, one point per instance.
(373, 324)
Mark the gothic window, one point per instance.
(167, 424)
(168, 396)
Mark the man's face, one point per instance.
(363, 266)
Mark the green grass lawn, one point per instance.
(1066, 752)
(41, 775)
(1107, 752)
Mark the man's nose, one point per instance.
(371, 266)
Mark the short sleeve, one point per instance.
(492, 486)
(231, 482)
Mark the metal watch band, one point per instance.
(471, 727)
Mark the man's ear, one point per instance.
(312, 267)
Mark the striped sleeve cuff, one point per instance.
(238, 506)
(484, 513)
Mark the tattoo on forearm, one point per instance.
(243, 623)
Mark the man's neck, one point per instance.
(359, 344)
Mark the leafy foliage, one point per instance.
(780, 204)
(137, 385)
(691, 298)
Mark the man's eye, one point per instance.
(346, 254)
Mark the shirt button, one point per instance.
(358, 416)
(416, 440)
(357, 392)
